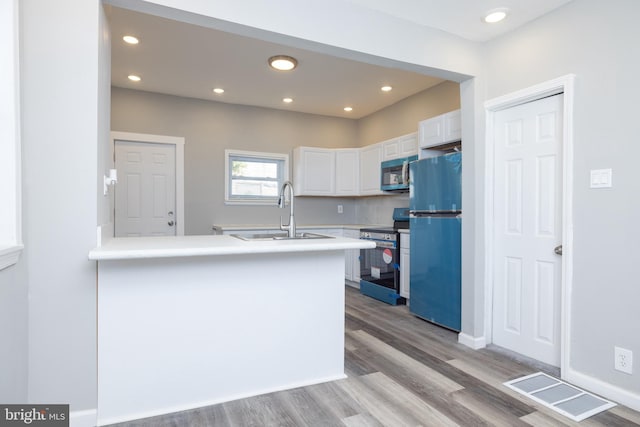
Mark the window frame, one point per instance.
(230, 199)
(10, 171)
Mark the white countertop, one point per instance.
(122, 248)
(238, 227)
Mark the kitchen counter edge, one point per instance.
(128, 248)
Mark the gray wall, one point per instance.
(211, 127)
(403, 117)
(14, 330)
(600, 45)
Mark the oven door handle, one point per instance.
(385, 244)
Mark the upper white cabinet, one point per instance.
(326, 172)
(314, 171)
(347, 172)
(402, 146)
(440, 130)
(370, 159)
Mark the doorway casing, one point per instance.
(178, 142)
(565, 85)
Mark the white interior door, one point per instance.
(527, 228)
(145, 195)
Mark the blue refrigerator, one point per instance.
(435, 228)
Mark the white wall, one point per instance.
(574, 39)
(599, 43)
(13, 281)
(60, 98)
(61, 144)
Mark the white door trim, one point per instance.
(178, 142)
(565, 85)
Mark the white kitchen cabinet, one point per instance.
(402, 146)
(326, 171)
(370, 159)
(352, 258)
(440, 130)
(405, 266)
(347, 172)
(408, 144)
(314, 171)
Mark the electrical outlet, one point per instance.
(340, 210)
(623, 360)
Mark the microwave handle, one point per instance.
(405, 172)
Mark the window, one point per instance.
(10, 239)
(254, 178)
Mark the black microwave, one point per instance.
(394, 174)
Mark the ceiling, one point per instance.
(186, 60)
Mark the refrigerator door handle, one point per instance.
(405, 172)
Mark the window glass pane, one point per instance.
(260, 169)
(255, 177)
(248, 187)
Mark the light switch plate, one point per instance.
(601, 178)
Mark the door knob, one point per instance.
(170, 223)
(558, 250)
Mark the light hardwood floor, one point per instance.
(402, 371)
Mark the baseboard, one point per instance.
(475, 343)
(602, 388)
(86, 418)
(180, 408)
(352, 284)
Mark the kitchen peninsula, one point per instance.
(191, 321)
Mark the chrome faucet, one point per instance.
(291, 227)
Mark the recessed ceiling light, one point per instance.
(495, 15)
(134, 78)
(131, 39)
(386, 88)
(287, 100)
(348, 109)
(283, 62)
(218, 90)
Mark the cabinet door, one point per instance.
(391, 149)
(440, 130)
(431, 132)
(408, 145)
(370, 159)
(353, 258)
(347, 172)
(314, 171)
(452, 127)
(405, 269)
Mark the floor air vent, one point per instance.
(563, 398)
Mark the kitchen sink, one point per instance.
(280, 236)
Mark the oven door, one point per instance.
(379, 265)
